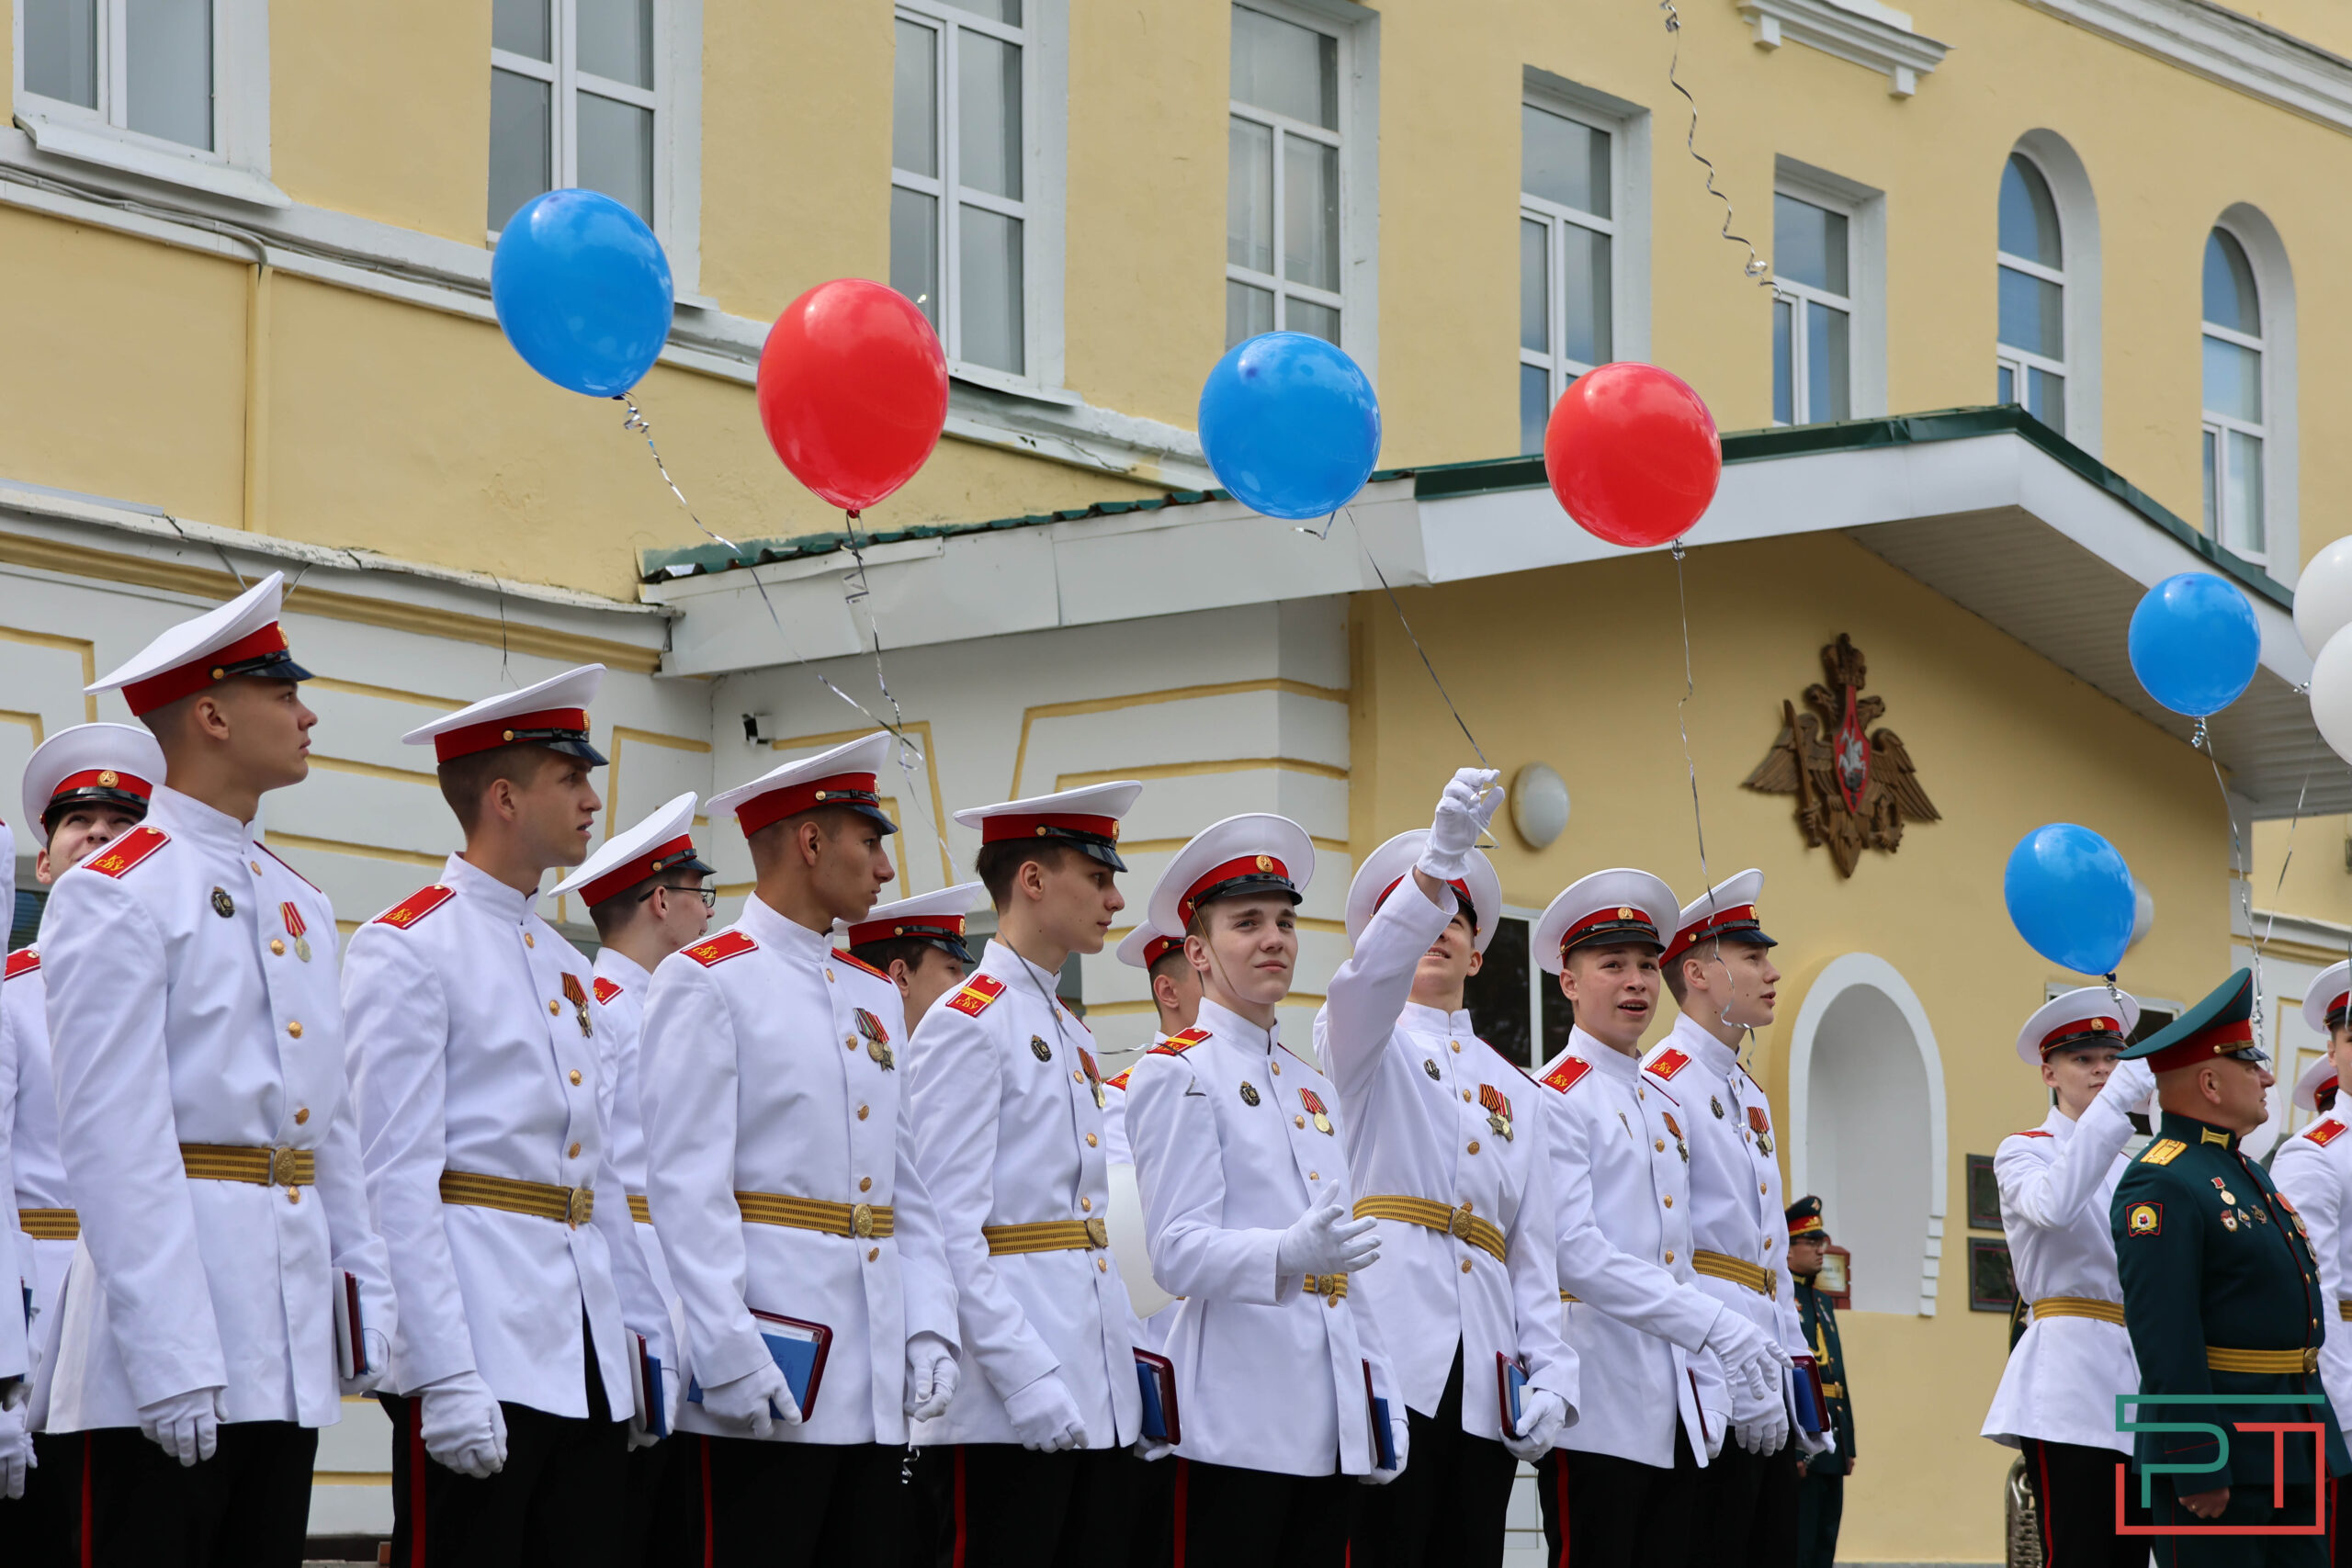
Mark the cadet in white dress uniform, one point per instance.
(784, 1183)
(1718, 969)
(83, 788)
(918, 944)
(643, 888)
(2313, 1170)
(1446, 1148)
(1246, 1206)
(523, 1290)
(206, 1127)
(1621, 1486)
(1008, 1124)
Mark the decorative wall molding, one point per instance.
(2222, 46)
(1863, 32)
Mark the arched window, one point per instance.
(2032, 361)
(2236, 429)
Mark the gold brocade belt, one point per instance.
(859, 1220)
(1566, 1297)
(263, 1166)
(49, 1224)
(2286, 1362)
(2342, 1309)
(1459, 1223)
(2080, 1306)
(639, 1210)
(1332, 1288)
(1045, 1235)
(572, 1205)
(1738, 1270)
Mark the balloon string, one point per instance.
(2240, 872)
(1698, 818)
(855, 592)
(1424, 653)
(1755, 267)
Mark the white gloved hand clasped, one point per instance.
(931, 1376)
(752, 1402)
(462, 1426)
(1469, 803)
(1541, 1415)
(1752, 1361)
(1044, 1416)
(1324, 1240)
(186, 1425)
(16, 1446)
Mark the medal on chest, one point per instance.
(1094, 1079)
(1429, 1065)
(223, 904)
(1039, 1049)
(577, 995)
(1498, 1107)
(294, 929)
(1249, 1092)
(878, 1040)
(1717, 1105)
(1676, 1133)
(1312, 1104)
(1761, 1125)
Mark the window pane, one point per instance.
(1585, 256)
(2232, 381)
(1784, 372)
(1534, 406)
(171, 69)
(617, 152)
(520, 27)
(914, 250)
(2247, 531)
(2007, 391)
(1496, 996)
(616, 40)
(1563, 160)
(1248, 311)
(1282, 66)
(987, 112)
(1250, 197)
(2231, 300)
(1828, 389)
(1311, 213)
(914, 116)
(2032, 314)
(1809, 244)
(2029, 218)
(1559, 1015)
(2212, 510)
(62, 50)
(987, 297)
(1315, 320)
(1535, 286)
(1005, 11)
(2048, 402)
(518, 142)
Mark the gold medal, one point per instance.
(878, 1040)
(1249, 1093)
(1312, 1103)
(223, 904)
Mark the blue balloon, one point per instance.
(1290, 424)
(2194, 643)
(583, 291)
(2070, 896)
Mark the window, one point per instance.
(2236, 431)
(1516, 1007)
(572, 102)
(959, 213)
(1283, 261)
(138, 65)
(1813, 311)
(2031, 366)
(1567, 236)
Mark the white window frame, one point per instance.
(2009, 356)
(1864, 209)
(237, 165)
(1043, 37)
(2070, 190)
(1628, 129)
(1357, 30)
(2215, 428)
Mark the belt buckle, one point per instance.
(860, 1219)
(1098, 1232)
(281, 1166)
(579, 1203)
(2310, 1360)
(1457, 1223)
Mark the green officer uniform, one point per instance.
(2222, 1298)
(1821, 1497)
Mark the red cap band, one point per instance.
(103, 778)
(1805, 1226)
(2204, 1046)
(996, 829)
(842, 789)
(1247, 866)
(1722, 921)
(488, 736)
(187, 679)
(1160, 947)
(950, 926)
(2083, 1029)
(623, 877)
(1636, 926)
(2339, 1009)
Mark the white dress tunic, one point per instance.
(33, 1155)
(181, 1011)
(620, 985)
(1234, 1136)
(2313, 1170)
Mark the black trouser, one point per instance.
(1821, 1505)
(740, 1501)
(2339, 1539)
(1151, 1502)
(1601, 1511)
(39, 1528)
(1448, 1506)
(2249, 1505)
(247, 1507)
(645, 1472)
(558, 1502)
(2073, 1501)
(1747, 1508)
(1006, 1506)
(1257, 1519)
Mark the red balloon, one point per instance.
(1632, 454)
(852, 390)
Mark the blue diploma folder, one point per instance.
(1157, 1375)
(799, 1349)
(1383, 1435)
(1509, 1378)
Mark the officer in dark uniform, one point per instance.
(1821, 1497)
(2222, 1297)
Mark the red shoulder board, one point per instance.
(606, 990)
(24, 961)
(1176, 1045)
(978, 993)
(1119, 1083)
(2031, 1133)
(1670, 1061)
(1568, 1074)
(128, 850)
(1074, 1014)
(860, 963)
(720, 948)
(282, 861)
(415, 906)
(2320, 1133)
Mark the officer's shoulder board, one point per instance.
(605, 991)
(2320, 1133)
(978, 993)
(24, 961)
(1176, 1045)
(1074, 1014)
(282, 861)
(857, 963)
(1569, 1073)
(2164, 1151)
(1119, 1083)
(727, 944)
(2031, 1132)
(128, 850)
(1668, 1062)
(415, 906)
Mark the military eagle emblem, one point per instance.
(1855, 788)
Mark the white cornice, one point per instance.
(2222, 46)
(1863, 32)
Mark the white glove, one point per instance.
(931, 1376)
(1469, 803)
(16, 1446)
(1152, 1447)
(1542, 1414)
(1324, 1240)
(2129, 1085)
(1767, 1434)
(464, 1428)
(1716, 1433)
(186, 1425)
(1399, 1437)
(752, 1402)
(1752, 1363)
(1044, 1416)
(379, 1355)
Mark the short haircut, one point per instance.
(997, 865)
(464, 780)
(613, 915)
(832, 820)
(1171, 963)
(885, 951)
(1677, 983)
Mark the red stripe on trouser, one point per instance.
(1183, 1492)
(709, 1547)
(90, 1456)
(1560, 1496)
(2048, 1528)
(417, 1461)
(958, 1559)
